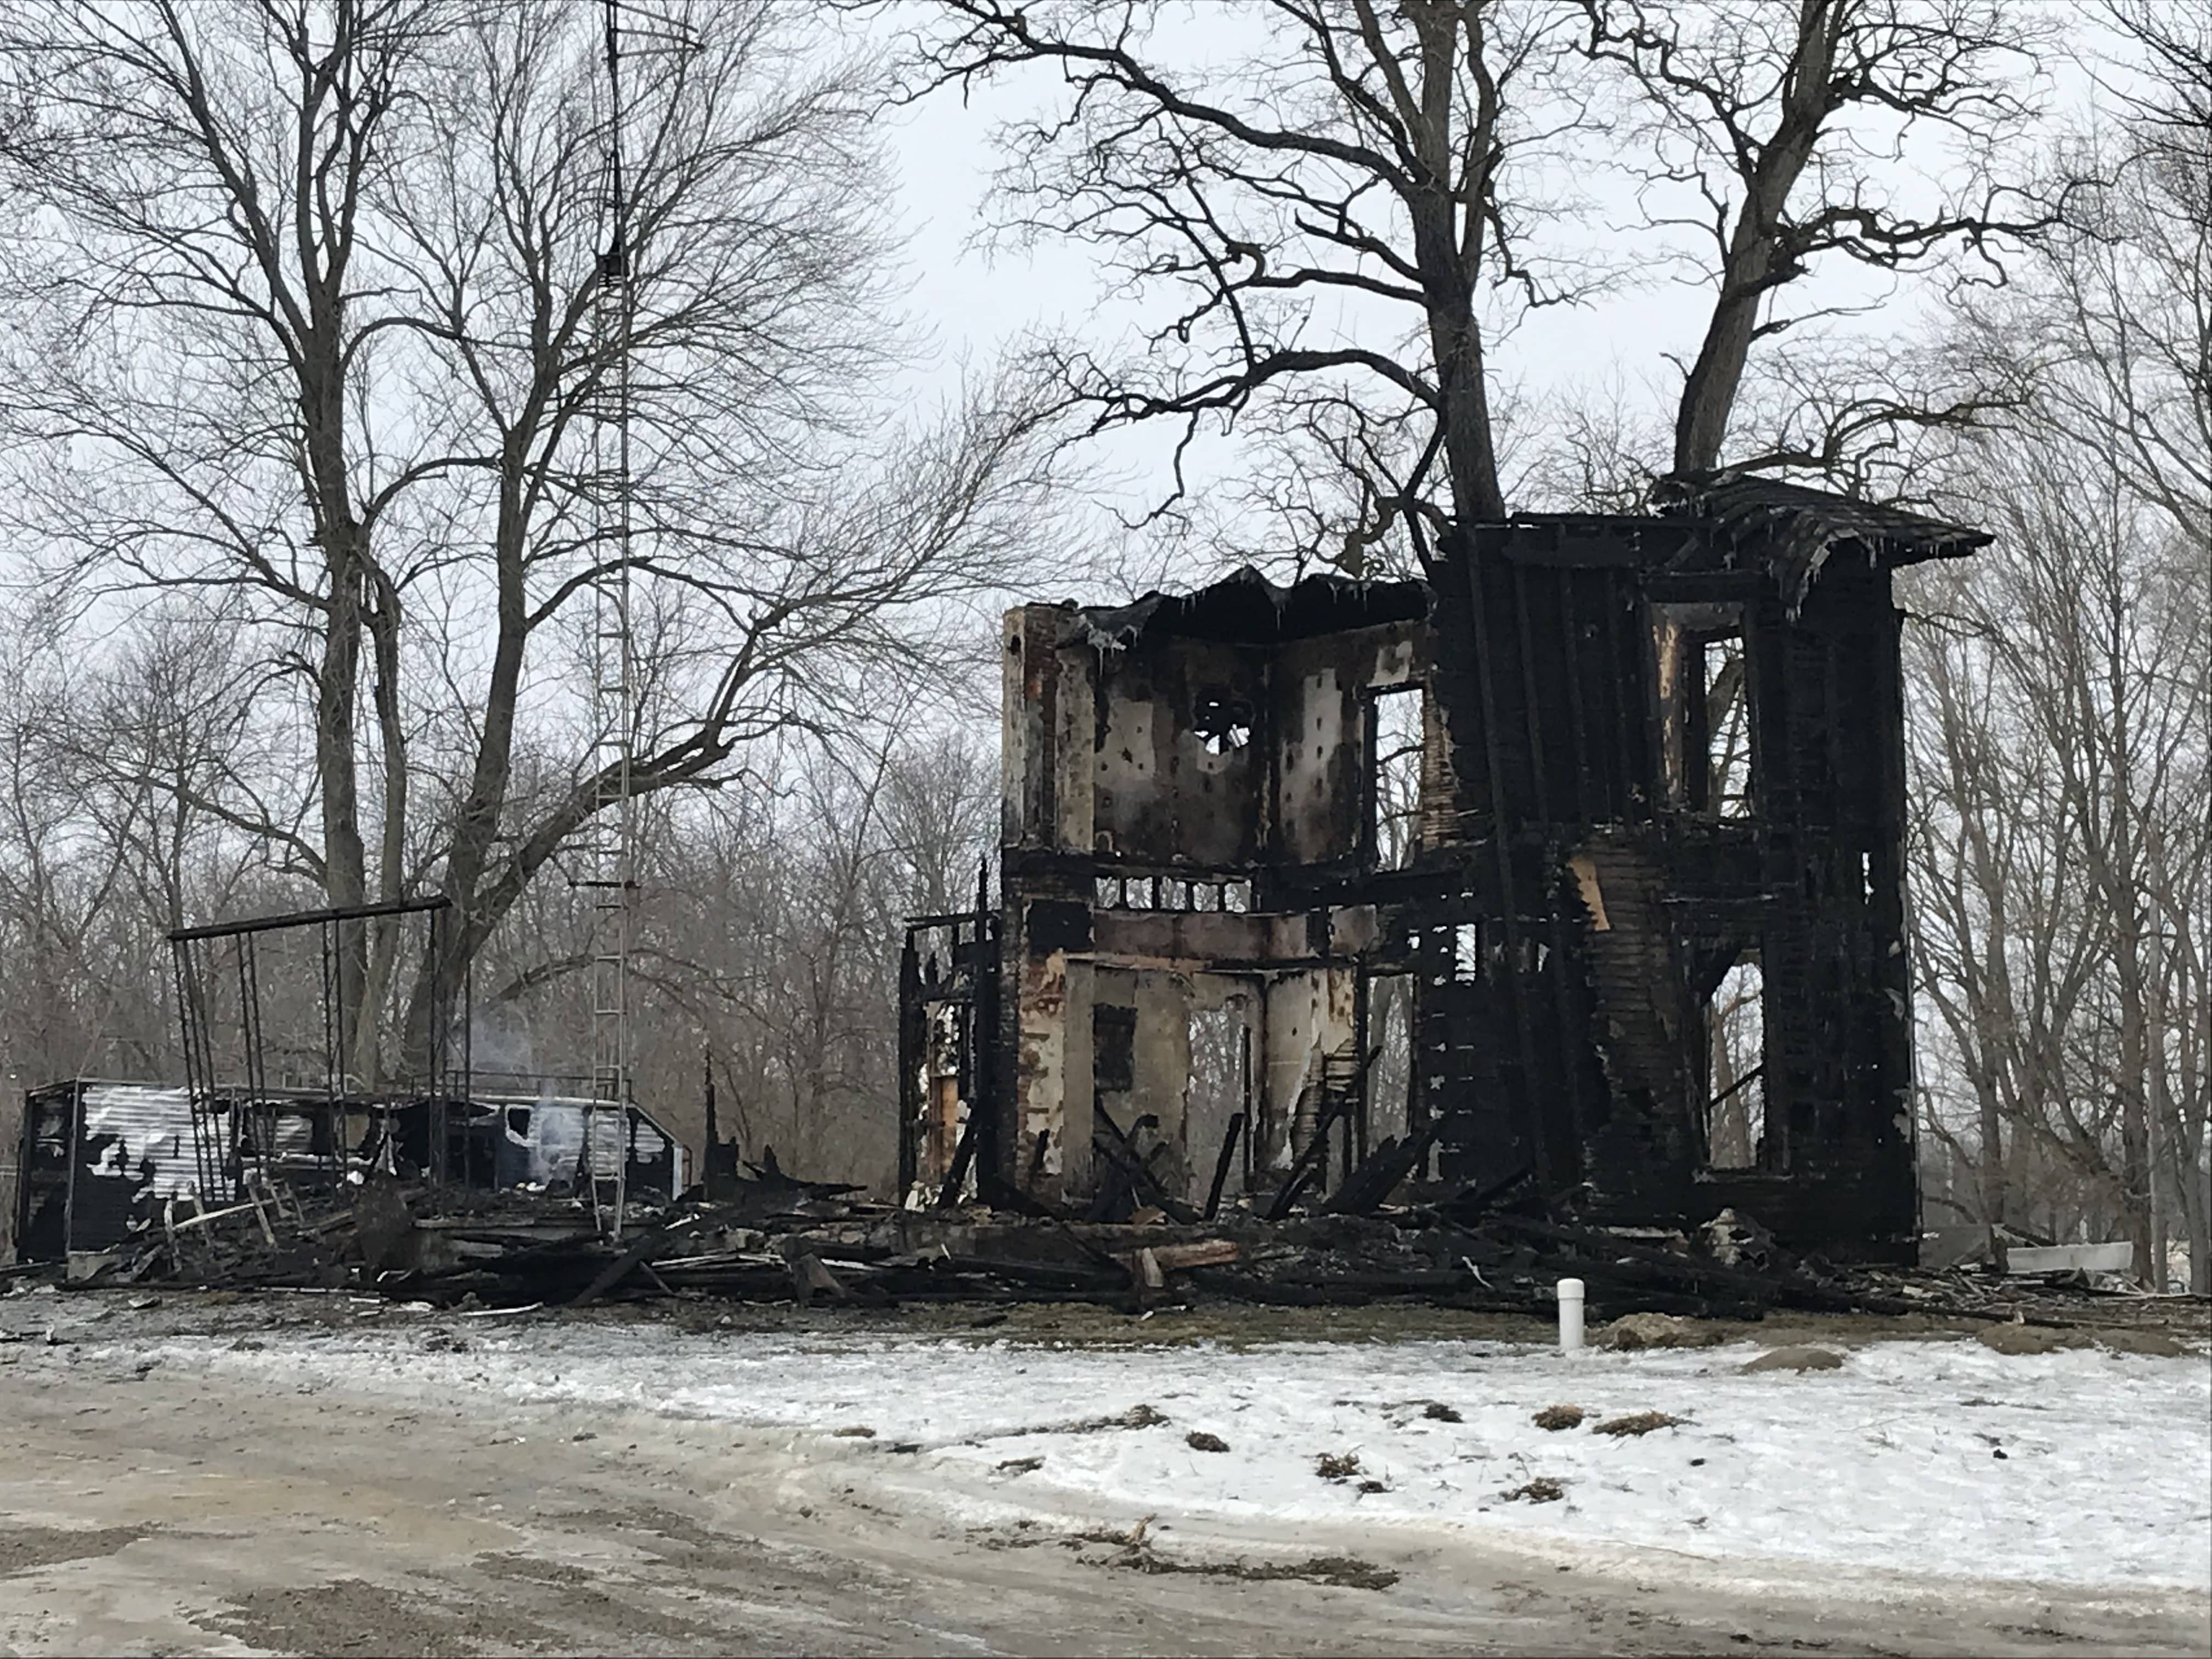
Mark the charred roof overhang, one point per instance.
(1703, 524)
(1245, 608)
(1789, 530)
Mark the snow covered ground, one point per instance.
(1927, 1457)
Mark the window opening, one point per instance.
(1113, 1051)
(1466, 950)
(1507, 957)
(1736, 1068)
(1726, 723)
(1171, 893)
(1223, 723)
(1395, 727)
(1704, 701)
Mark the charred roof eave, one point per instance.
(1701, 523)
(1245, 608)
(1789, 530)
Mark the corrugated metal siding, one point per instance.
(142, 1132)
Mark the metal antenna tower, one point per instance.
(612, 842)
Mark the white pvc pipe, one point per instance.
(1570, 1315)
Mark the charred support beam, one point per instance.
(1221, 1164)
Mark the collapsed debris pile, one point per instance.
(769, 1237)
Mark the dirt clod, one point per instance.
(1343, 1572)
(1655, 1330)
(1556, 1418)
(1337, 1466)
(1797, 1357)
(1636, 1423)
(1542, 1490)
(23, 1549)
(1436, 1411)
(1021, 1465)
(1200, 1440)
(855, 1432)
(2017, 1340)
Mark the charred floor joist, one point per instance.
(1583, 865)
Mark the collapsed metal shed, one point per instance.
(102, 1159)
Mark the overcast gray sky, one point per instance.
(976, 302)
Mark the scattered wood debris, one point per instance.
(1556, 1418)
(774, 1238)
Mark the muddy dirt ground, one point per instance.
(151, 1506)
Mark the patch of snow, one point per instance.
(1891, 1463)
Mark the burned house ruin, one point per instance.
(1580, 867)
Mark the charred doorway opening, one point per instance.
(1394, 1107)
(1218, 1111)
(1734, 1024)
(948, 1013)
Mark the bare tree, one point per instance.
(1380, 158)
(121, 790)
(1779, 135)
(1341, 212)
(769, 932)
(2064, 850)
(310, 321)
(2060, 778)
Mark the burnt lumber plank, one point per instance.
(1313, 1160)
(1221, 1164)
(1123, 1150)
(645, 1246)
(948, 1195)
(1375, 1179)
(1619, 1256)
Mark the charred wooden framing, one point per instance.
(1660, 791)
